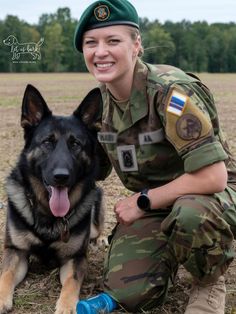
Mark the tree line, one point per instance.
(197, 46)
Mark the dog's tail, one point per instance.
(40, 42)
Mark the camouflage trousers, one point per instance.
(143, 258)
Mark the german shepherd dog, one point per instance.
(54, 205)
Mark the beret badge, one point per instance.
(102, 12)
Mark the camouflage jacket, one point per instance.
(169, 126)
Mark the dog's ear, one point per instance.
(34, 107)
(89, 111)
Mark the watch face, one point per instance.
(143, 202)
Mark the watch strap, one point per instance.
(144, 191)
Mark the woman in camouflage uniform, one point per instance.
(161, 132)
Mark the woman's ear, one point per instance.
(137, 46)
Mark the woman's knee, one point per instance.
(138, 289)
(196, 214)
(201, 239)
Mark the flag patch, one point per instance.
(177, 103)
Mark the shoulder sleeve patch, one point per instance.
(186, 125)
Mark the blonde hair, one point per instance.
(135, 34)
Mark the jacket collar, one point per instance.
(138, 100)
(138, 107)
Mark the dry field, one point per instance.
(63, 92)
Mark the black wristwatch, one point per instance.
(143, 201)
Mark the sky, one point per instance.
(210, 11)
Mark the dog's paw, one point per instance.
(5, 305)
(98, 243)
(65, 307)
(102, 241)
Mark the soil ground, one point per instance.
(63, 92)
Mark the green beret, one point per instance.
(105, 13)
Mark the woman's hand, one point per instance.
(127, 211)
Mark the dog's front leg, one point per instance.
(14, 269)
(71, 275)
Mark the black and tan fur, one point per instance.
(58, 152)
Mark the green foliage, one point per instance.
(158, 44)
(196, 47)
(54, 47)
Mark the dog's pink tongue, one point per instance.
(59, 202)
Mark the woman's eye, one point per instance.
(90, 42)
(114, 41)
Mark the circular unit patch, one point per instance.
(189, 127)
(102, 12)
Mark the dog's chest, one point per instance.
(28, 241)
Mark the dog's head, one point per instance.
(10, 40)
(60, 152)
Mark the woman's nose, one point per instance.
(101, 49)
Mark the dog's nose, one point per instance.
(61, 175)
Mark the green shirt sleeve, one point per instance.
(204, 156)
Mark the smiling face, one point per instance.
(110, 54)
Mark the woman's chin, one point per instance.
(104, 78)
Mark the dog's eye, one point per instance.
(48, 143)
(74, 144)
